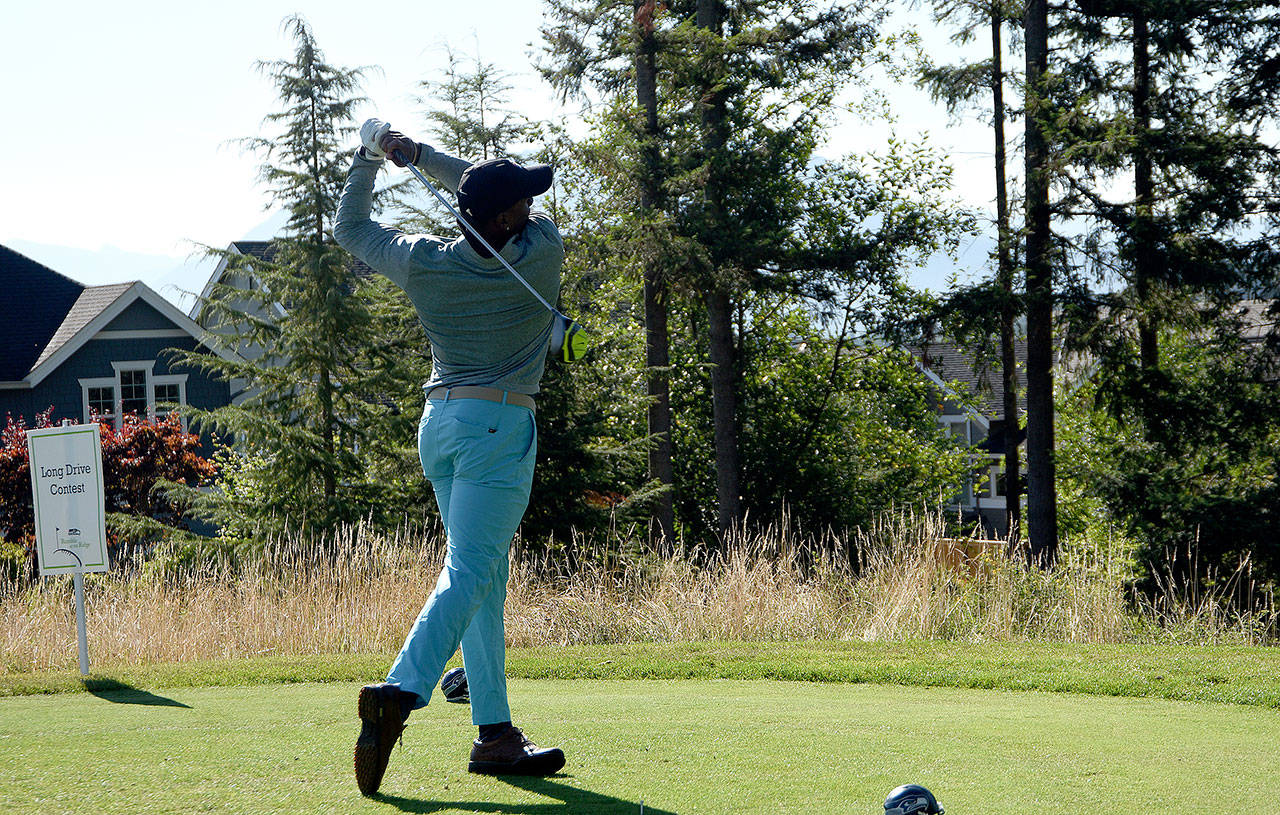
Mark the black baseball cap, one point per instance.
(493, 186)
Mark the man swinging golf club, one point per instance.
(477, 439)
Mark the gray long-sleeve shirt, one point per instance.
(484, 327)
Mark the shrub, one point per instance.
(138, 460)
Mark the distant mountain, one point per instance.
(181, 279)
(178, 279)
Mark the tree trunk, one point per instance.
(327, 474)
(1144, 195)
(1042, 504)
(719, 304)
(1004, 280)
(325, 385)
(724, 408)
(657, 339)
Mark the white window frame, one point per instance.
(172, 379)
(101, 382)
(962, 433)
(993, 499)
(114, 382)
(147, 366)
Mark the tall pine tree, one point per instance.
(746, 216)
(614, 46)
(1042, 489)
(1158, 110)
(316, 440)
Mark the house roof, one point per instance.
(1258, 318)
(265, 251)
(92, 302)
(262, 250)
(983, 385)
(49, 317)
(97, 308)
(955, 366)
(42, 297)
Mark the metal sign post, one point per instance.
(67, 489)
(82, 636)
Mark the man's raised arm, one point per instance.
(380, 142)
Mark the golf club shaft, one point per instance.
(467, 225)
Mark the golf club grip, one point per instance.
(399, 157)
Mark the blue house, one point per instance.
(104, 350)
(971, 411)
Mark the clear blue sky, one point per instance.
(120, 117)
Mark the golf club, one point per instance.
(566, 334)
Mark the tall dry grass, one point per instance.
(900, 580)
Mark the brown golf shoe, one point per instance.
(513, 754)
(381, 723)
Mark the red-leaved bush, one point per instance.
(134, 458)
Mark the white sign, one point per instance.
(66, 483)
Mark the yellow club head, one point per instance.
(568, 340)
(575, 344)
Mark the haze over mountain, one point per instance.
(181, 279)
(177, 278)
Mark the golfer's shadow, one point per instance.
(120, 693)
(572, 801)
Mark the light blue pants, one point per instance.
(479, 458)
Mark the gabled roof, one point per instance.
(262, 250)
(985, 387)
(48, 317)
(42, 298)
(92, 302)
(99, 309)
(265, 251)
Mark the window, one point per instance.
(133, 390)
(957, 427)
(102, 403)
(167, 395)
(133, 393)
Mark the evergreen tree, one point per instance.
(1042, 490)
(314, 433)
(468, 115)
(1199, 490)
(1152, 103)
(615, 56)
(1164, 171)
(477, 122)
(756, 218)
(748, 157)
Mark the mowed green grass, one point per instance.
(681, 746)
(1246, 675)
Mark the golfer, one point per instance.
(477, 439)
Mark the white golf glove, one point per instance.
(371, 133)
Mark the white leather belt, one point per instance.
(445, 393)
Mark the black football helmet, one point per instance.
(910, 799)
(454, 686)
